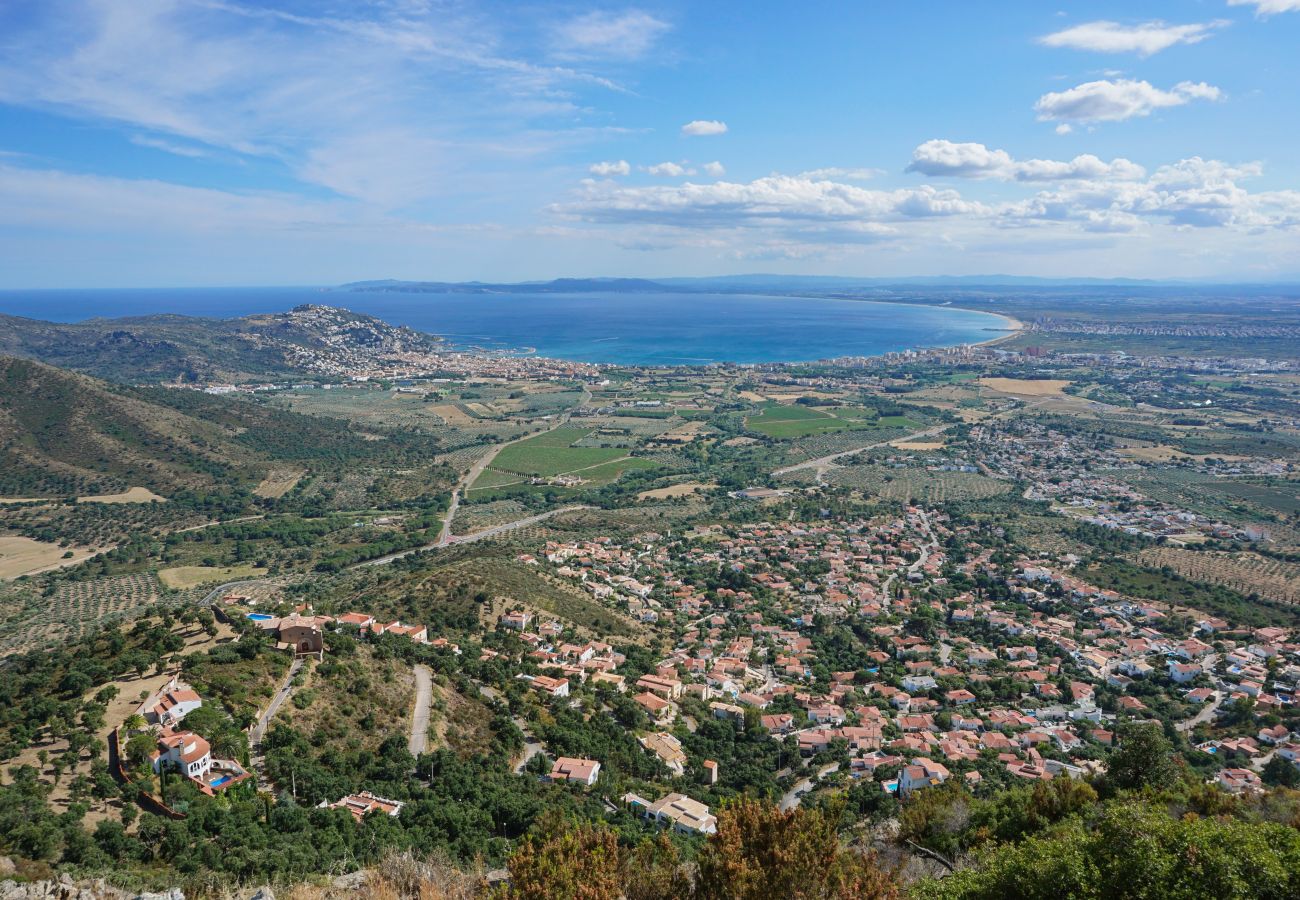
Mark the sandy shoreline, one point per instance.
(1014, 327)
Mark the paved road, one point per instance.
(281, 695)
(823, 461)
(471, 538)
(419, 740)
(212, 595)
(445, 534)
(532, 746)
(1206, 713)
(794, 796)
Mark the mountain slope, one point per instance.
(63, 433)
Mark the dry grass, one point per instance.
(131, 495)
(183, 577)
(452, 414)
(1027, 387)
(401, 876)
(24, 556)
(278, 482)
(685, 489)
(918, 445)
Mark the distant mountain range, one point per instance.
(186, 348)
(765, 283)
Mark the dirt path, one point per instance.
(419, 739)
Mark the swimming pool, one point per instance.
(260, 617)
(220, 781)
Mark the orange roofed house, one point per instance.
(582, 771)
(360, 805)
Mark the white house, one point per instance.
(185, 752)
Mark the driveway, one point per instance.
(419, 740)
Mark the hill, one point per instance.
(306, 340)
(62, 434)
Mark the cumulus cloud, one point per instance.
(609, 169)
(1145, 39)
(623, 35)
(1265, 8)
(780, 202)
(667, 170)
(714, 169)
(1193, 193)
(1115, 101)
(970, 160)
(704, 128)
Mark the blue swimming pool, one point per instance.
(260, 617)
(220, 781)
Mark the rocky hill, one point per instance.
(306, 340)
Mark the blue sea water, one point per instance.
(631, 329)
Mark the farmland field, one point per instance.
(553, 453)
(192, 576)
(29, 620)
(918, 484)
(799, 421)
(1246, 573)
(22, 556)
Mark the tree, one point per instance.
(1138, 852)
(1144, 758)
(139, 748)
(1280, 772)
(567, 862)
(761, 852)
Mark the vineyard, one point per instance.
(1246, 573)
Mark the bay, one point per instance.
(598, 327)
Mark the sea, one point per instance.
(596, 327)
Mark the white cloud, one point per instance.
(1115, 101)
(969, 160)
(714, 169)
(608, 169)
(667, 170)
(1144, 39)
(627, 35)
(1064, 128)
(704, 128)
(403, 121)
(776, 201)
(172, 147)
(1264, 8)
(1192, 192)
(833, 172)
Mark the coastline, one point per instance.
(1014, 327)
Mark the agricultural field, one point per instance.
(278, 482)
(1246, 573)
(799, 421)
(553, 453)
(183, 577)
(1027, 387)
(24, 556)
(29, 619)
(918, 484)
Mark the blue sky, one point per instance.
(219, 142)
